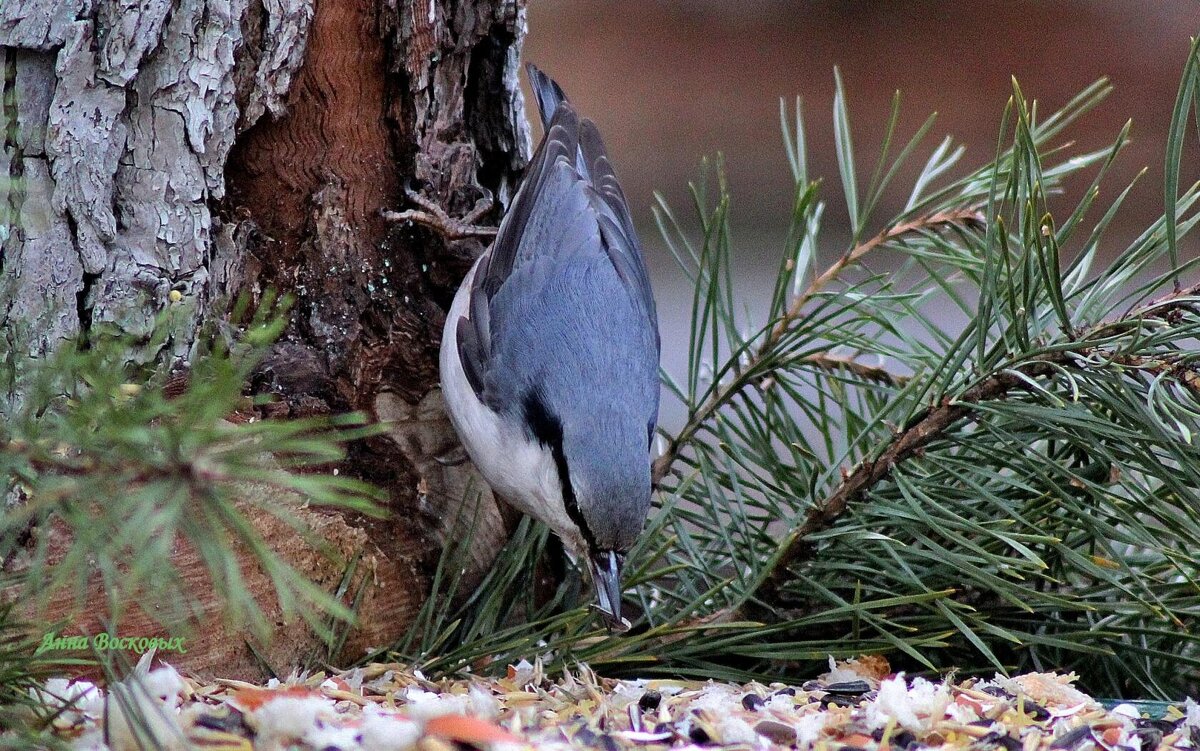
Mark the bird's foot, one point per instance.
(433, 216)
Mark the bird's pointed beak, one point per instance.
(606, 573)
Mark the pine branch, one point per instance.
(925, 428)
(964, 217)
(200, 472)
(122, 463)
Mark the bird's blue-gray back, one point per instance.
(571, 320)
(546, 282)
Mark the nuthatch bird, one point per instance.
(550, 353)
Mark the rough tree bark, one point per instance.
(222, 147)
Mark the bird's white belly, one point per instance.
(520, 470)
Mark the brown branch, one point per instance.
(912, 440)
(876, 373)
(909, 442)
(967, 217)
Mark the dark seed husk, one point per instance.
(226, 719)
(1072, 739)
(1151, 737)
(1162, 725)
(848, 688)
(1003, 740)
(776, 732)
(1036, 711)
(903, 739)
(842, 701)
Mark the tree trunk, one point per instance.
(224, 147)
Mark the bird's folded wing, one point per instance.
(592, 162)
(620, 240)
(569, 204)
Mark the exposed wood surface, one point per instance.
(214, 650)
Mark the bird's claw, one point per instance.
(434, 217)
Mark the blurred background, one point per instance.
(671, 81)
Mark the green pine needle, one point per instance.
(1015, 488)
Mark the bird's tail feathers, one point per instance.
(549, 94)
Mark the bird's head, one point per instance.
(608, 473)
(603, 466)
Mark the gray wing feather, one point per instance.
(569, 208)
(474, 333)
(472, 353)
(560, 143)
(621, 240)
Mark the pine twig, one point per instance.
(876, 373)
(924, 429)
(966, 217)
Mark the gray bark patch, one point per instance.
(39, 24)
(122, 116)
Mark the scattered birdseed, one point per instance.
(858, 706)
